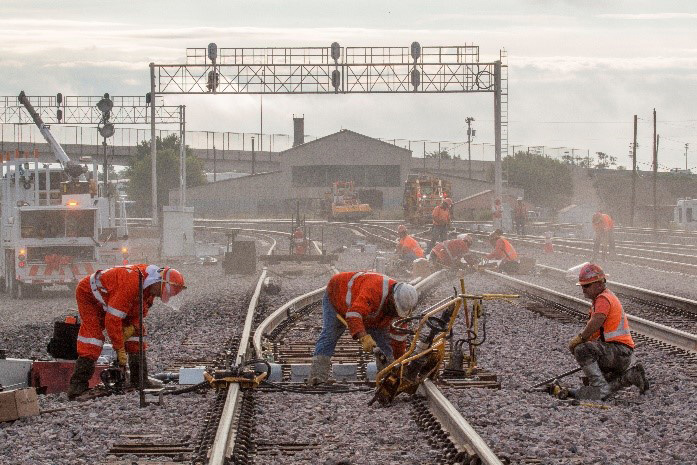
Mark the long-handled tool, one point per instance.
(553, 378)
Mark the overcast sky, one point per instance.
(579, 70)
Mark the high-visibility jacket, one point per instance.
(409, 244)
(441, 216)
(299, 242)
(608, 222)
(503, 250)
(361, 299)
(450, 252)
(116, 292)
(616, 326)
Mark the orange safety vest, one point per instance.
(616, 326)
(441, 216)
(408, 243)
(451, 251)
(608, 222)
(504, 251)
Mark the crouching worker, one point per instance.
(605, 349)
(449, 254)
(368, 303)
(109, 299)
(503, 251)
(408, 248)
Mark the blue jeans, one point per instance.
(332, 329)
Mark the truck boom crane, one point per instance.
(72, 169)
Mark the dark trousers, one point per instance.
(438, 234)
(612, 357)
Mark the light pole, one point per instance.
(686, 146)
(470, 135)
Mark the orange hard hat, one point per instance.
(401, 229)
(590, 273)
(172, 283)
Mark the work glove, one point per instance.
(576, 340)
(122, 357)
(128, 332)
(367, 343)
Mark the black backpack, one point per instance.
(63, 344)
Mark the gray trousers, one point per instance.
(612, 357)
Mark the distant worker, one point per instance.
(520, 217)
(497, 214)
(441, 222)
(503, 251)
(604, 241)
(109, 299)
(604, 349)
(367, 303)
(449, 254)
(408, 248)
(299, 243)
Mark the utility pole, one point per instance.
(498, 184)
(655, 172)
(261, 122)
(634, 175)
(254, 156)
(469, 120)
(153, 148)
(686, 146)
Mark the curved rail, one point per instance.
(678, 338)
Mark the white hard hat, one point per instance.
(466, 238)
(405, 299)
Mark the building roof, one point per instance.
(350, 133)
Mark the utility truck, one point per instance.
(422, 193)
(57, 225)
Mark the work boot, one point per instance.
(636, 376)
(598, 388)
(319, 371)
(80, 381)
(134, 369)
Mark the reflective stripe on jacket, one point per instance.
(409, 244)
(360, 298)
(116, 290)
(449, 252)
(616, 326)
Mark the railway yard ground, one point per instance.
(525, 343)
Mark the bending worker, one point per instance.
(604, 229)
(605, 349)
(441, 222)
(109, 299)
(504, 251)
(448, 254)
(407, 247)
(368, 303)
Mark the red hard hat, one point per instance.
(172, 283)
(401, 229)
(590, 273)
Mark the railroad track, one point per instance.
(569, 308)
(448, 432)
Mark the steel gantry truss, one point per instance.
(82, 110)
(339, 70)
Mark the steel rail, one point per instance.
(678, 338)
(225, 434)
(662, 298)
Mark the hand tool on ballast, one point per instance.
(553, 378)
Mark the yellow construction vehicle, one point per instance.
(422, 193)
(342, 203)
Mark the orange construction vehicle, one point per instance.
(342, 203)
(421, 195)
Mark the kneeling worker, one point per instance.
(368, 303)
(407, 247)
(109, 299)
(605, 348)
(504, 251)
(448, 254)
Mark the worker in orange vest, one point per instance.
(449, 254)
(441, 222)
(503, 251)
(407, 247)
(604, 348)
(604, 229)
(109, 299)
(520, 217)
(367, 303)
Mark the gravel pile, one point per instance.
(339, 429)
(524, 348)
